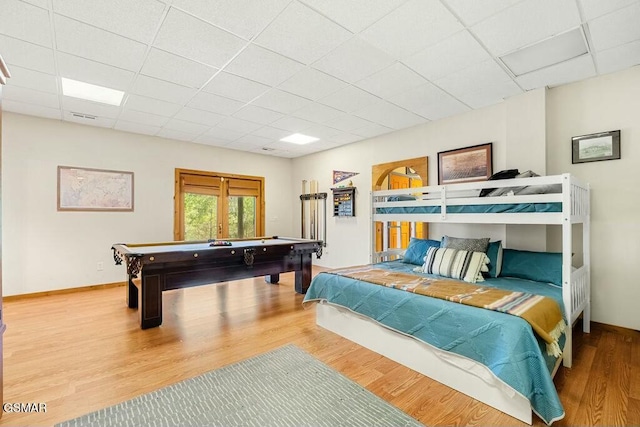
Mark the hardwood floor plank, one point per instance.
(80, 352)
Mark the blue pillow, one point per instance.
(494, 252)
(543, 267)
(417, 250)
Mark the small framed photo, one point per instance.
(596, 147)
(467, 164)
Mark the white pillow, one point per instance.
(456, 264)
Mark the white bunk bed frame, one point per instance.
(458, 372)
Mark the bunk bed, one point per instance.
(510, 372)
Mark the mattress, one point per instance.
(496, 208)
(504, 343)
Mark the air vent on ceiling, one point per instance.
(83, 116)
(268, 149)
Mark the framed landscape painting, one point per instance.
(596, 147)
(467, 164)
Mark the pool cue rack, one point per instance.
(317, 218)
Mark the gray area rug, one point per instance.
(284, 387)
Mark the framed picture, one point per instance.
(596, 147)
(467, 164)
(83, 189)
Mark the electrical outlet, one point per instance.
(100, 266)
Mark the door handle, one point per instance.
(220, 230)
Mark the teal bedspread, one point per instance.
(505, 344)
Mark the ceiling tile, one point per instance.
(160, 89)
(30, 109)
(136, 20)
(103, 122)
(84, 70)
(31, 96)
(354, 60)
(237, 125)
(452, 54)
(210, 140)
(565, 72)
(223, 134)
(616, 28)
(175, 69)
(312, 84)
(175, 134)
(372, 130)
(257, 114)
(390, 81)
(27, 55)
(344, 138)
(294, 124)
(281, 101)
(618, 58)
(474, 11)
(494, 93)
(430, 102)
(152, 106)
(594, 8)
(202, 117)
(186, 127)
(235, 87)
(192, 38)
(414, 25)
(525, 23)
(82, 106)
(317, 113)
(347, 123)
(23, 77)
(349, 99)
(319, 131)
(486, 73)
(253, 140)
(271, 133)
(136, 127)
(143, 118)
(261, 65)
(245, 18)
(302, 34)
(81, 39)
(358, 15)
(40, 3)
(389, 115)
(215, 104)
(26, 22)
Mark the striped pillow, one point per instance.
(456, 264)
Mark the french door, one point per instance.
(210, 205)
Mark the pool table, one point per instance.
(175, 265)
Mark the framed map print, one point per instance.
(83, 189)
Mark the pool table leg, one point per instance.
(150, 297)
(303, 276)
(132, 294)
(272, 278)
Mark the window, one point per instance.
(211, 205)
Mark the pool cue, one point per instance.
(312, 209)
(304, 190)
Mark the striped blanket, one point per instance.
(542, 313)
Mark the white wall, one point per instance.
(600, 104)
(46, 249)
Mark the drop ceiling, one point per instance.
(242, 74)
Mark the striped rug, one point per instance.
(284, 387)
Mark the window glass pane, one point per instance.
(200, 216)
(242, 217)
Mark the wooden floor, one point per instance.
(83, 351)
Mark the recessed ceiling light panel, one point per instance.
(298, 138)
(551, 51)
(89, 92)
